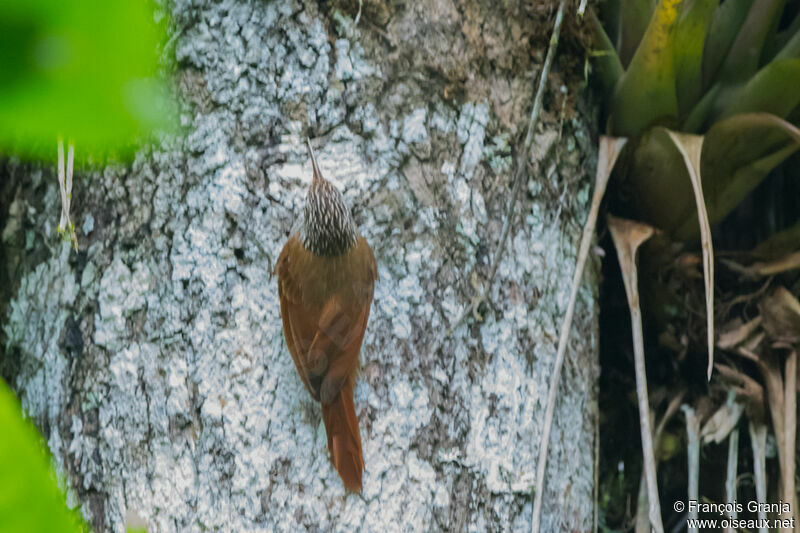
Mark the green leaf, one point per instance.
(646, 92)
(690, 36)
(779, 244)
(701, 112)
(742, 60)
(792, 46)
(610, 15)
(775, 39)
(606, 61)
(634, 16)
(29, 498)
(87, 70)
(728, 18)
(660, 188)
(774, 89)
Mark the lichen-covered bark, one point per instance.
(153, 359)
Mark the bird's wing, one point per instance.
(298, 333)
(325, 343)
(342, 328)
(296, 337)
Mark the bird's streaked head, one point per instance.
(328, 228)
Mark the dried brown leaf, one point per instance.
(781, 313)
(721, 423)
(777, 266)
(690, 147)
(628, 235)
(736, 332)
(747, 389)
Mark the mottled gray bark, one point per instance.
(153, 359)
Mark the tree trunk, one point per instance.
(153, 359)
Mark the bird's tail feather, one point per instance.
(344, 438)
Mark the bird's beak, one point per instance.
(317, 173)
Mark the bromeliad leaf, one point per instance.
(646, 92)
(742, 60)
(739, 86)
(634, 18)
(607, 63)
(661, 198)
(779, 245)
(628, 236)
(773, 90)
(789, 40)
(728, 19)
(690, 147)
(690, 36)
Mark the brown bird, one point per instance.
(326, 275)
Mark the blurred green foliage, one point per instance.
(30, 501)
(85, 69)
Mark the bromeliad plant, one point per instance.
(723, 71)
(702, 99)
(708, 93)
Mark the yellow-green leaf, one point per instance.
(646, 92)
(779, 244)
(634, 16)
(792, 46)
(772, 90)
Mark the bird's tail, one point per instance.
(344, 439)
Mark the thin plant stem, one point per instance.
(520, 170)
(758, 441)
(732, 473)
(790, 432)
(693, 453)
